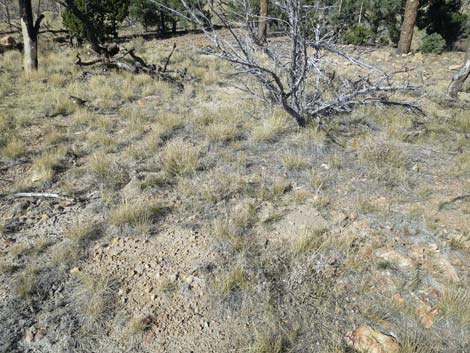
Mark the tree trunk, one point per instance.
(263, 19)
(460, 77)
(173, 26)
(360, 11)
(409, 21)
(162, 22)
(30, 32)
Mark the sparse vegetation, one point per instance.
(82, 231)
(311, 240)
(179, 158)
(271, 128)
(172, 211)
(138, 213)
(235, 279)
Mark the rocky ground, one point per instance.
(198, 220)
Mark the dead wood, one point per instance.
(5, 48)
(129, 61)
(464, 197)
(41, 195)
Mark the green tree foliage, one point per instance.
(443, 17)
(433, 43)
(151, 13)
(365, 21)
(146, 12)
(104, 15)
(358, 35)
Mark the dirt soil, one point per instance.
(275, 240)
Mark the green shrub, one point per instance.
(103, 17)
(433, 43)
(358, 35)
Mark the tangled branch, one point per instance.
(295, 70)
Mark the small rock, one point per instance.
(367, 340)
(398, 299)
(267, 212)
(353, 216)
(446, 268)
(35, 333)
(133, 189)
(395, 257)
(174, 277)
(426, 315)
(67, 203)
(454, 67)
(75, 270)
(153, 99)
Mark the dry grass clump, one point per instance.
(179, 158)
(154, 180)
(19, 249)
(460, 242)
(462, 164)
(95, 297)
(228, 232)
(294, 161)
(233, 228)
(414, 340)
(388, 162)
(235, 279)
(311, 240)
(44, 167)
(266, 343)
(6, 267)
(365, 205)
(25, 283)
(310, 135)
(395, 121)
(99, 165)
(82, 231)
(23, 249)
(220, 184)
(223, 131)
(65, 253)
(383, 155)
(455, 304)
(137, 213)
(317, 180)
(105, 171)
(83, 117)
(13, 149)
(171, 121)
(273, 189)
(463, 122)
(101, 140)
(139, 324)
(271, 128)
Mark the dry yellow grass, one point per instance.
(179, 158)
(138, 213)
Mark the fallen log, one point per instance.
(5, 48)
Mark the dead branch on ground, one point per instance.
(129, 61)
